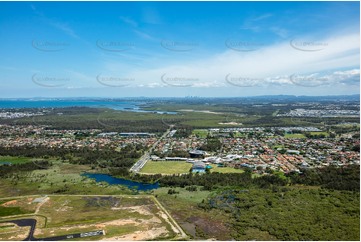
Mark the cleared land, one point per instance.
(166, 167)
(198, 223)
(121, 217)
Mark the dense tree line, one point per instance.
(212, 144)
(211, 181)
(332, 177)
(73, 118)
(105, 157)
(337, 178)
(183, 131)
(289, 213)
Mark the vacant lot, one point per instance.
(166, 167)
(198, 223)
(121, 217)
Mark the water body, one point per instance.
(120, 181)
(60, 103)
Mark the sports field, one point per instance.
(166, 167)
(179, 167)
(295, 136)
(225, 169)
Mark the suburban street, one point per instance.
(143, 160)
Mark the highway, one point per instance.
(143, 160)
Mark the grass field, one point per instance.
(14, 160)
(240, 135)
(60, 178)
(201, 133)
(179, 167)
(294, 136)
(320, 133)
(121, 217)
(166, 167)
(182, 193)
(198, 223)
(225, 169)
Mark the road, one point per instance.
(182, 235)
(32, 224)
(25, 223)
(74, 236)
(143, 160)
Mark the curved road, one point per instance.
(25, 223)
(32, 224)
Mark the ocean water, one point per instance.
(132, 106)
(58, 103)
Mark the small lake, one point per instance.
(120, 181)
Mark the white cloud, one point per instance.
(281, 32)
(64, 28)
(144, 35)
(271, 65)
(129, 21)
(348, 77)
(262, 17)
(273, 68)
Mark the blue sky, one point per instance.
(123, 49)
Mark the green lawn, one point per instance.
(201, 133)
(166, 167)
(61, 177)
(225, 169)
(320, 133)
(191, 197)
(14, 159)
(274, 114)
(295, 136)
(240, 135)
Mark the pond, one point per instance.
(140, 186)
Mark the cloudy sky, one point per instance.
(124, 49)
